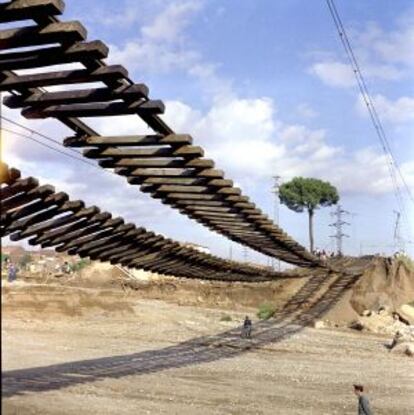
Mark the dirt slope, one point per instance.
(157, 358)
(384, 282)
(379, 282)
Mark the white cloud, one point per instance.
(386, 55)
(306, 111)
(383, 71)
(394, 46)
(170, 23)
(120, 14)
(163, 46)
(334, 73)
(245, 119)
(249, 142)
(339, 74)
(151, 57)
(399, 111)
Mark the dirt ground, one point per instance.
(68, 350)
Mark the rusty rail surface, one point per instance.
(50, 219)
(164, 164)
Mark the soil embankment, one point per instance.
(384, 283)
(94, 343)
(379, 282)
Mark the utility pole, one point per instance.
(398, 239)
(275, 190)
(338, 224)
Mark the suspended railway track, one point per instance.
(164, 164)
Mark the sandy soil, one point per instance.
(95, 351)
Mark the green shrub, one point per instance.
(226, 317)
(266, 311)
(80, 265)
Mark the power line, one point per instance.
(53, 140)
(50, 147)
(392, 164)
(31, 131)
(364, 91)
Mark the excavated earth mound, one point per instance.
(384, 283)
(379, 282)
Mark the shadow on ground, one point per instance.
(302, 309)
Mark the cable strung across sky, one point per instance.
(392, 164)
(164, 164)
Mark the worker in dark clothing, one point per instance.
(247, 328)
(397, 339)
(363, 403)
(11, 271)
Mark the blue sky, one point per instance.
(264, 86)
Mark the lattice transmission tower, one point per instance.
(338, 214)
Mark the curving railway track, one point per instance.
(164, 164)
(51, 219)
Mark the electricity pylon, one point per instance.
(338, 213)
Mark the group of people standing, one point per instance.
(12, 269)
(323, 255)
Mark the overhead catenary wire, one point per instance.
(19, 134)
(53, 140)
(392, 164)
(32, 131)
